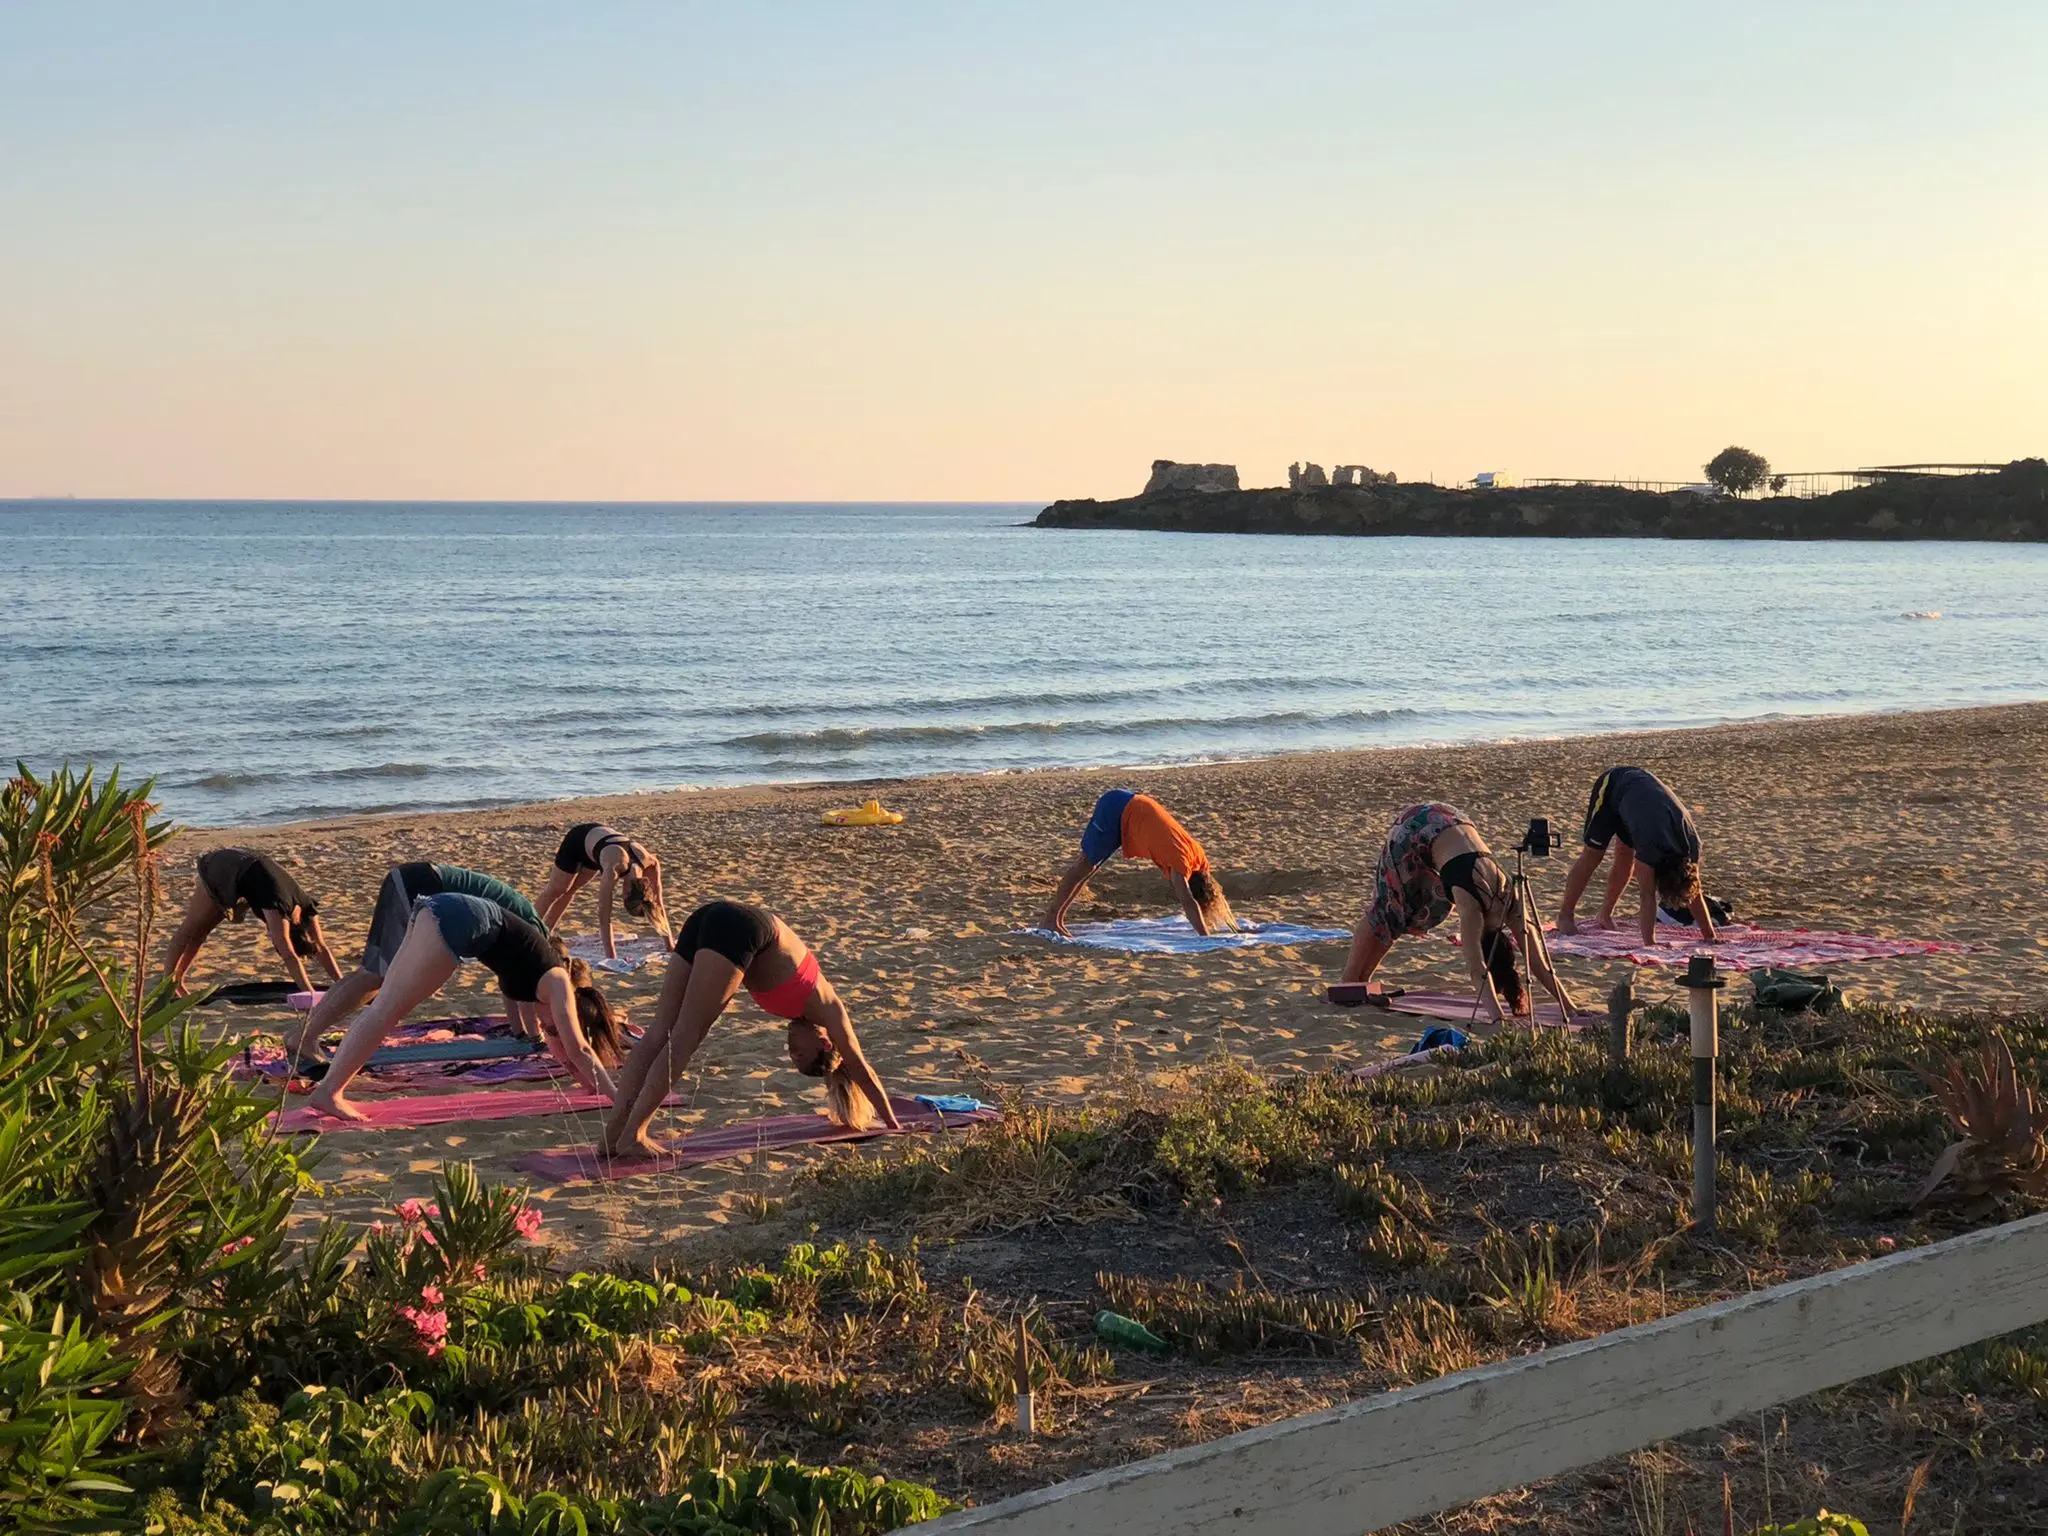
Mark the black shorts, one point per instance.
(573, 857)
(733, 929)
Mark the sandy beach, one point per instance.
(1924, 825)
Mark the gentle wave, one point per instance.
(845, 738)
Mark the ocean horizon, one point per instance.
(273, 661)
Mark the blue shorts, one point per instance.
(467, 923)
(1103, 838)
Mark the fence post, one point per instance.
(1701, 983)
(1027, 1402)
(1621, 1003)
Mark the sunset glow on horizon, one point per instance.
(928, 252)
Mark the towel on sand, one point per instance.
(1739, 947)
(1174, 936)
(582, 1165)
(633, 953)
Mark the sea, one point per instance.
(267, 662)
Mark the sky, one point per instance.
(611, 251)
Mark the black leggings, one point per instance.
(733, 929)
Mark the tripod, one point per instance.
(1522, 898)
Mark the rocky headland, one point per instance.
(2009, 504)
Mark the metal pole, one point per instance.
(1701, 983)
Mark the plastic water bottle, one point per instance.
(1115, 1328)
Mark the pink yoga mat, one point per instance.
(582, 1165)
(421, 1110)
(1449, 1008)
(1737, 947)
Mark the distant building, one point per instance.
(1493, 480)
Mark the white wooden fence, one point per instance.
(1373, 1463)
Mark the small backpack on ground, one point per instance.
(1795, 991)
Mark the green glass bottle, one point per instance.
(1115, 1328)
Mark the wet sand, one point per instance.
(1925, 825)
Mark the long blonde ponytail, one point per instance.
(848, 1103)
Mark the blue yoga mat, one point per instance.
(1174, 936)
(488, 1048)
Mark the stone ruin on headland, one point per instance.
(1305, 477)
(1169, 476)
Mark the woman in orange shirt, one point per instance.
(1139, 827)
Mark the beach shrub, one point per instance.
(136, 1177)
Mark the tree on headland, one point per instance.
(1738, 471)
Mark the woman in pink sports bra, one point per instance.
(722, 946)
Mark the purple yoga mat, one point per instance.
(420, 1110)
(583, 1165)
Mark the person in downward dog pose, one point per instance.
(1656, 843)
(232, 881)
(542, 986)
(591, 850)
(1139, 827)
(1435, 862)
(723, 946)
(404, 885)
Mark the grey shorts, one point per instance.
(393, 913)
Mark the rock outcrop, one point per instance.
(1205, 478)
(2009, 504)
(1306, 477)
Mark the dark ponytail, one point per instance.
(1499, 950)
(595, 1013)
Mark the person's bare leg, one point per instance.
(353, 991)
(648, 1050)
(421, 968)
(202, 915)
(1367, 951)
(712, 981)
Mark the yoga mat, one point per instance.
(1739, 947)
(583, 1165)
(252, 993)
(471, 1049)
(633, 953)
(1451, 1008)
(1413, 1059)
(1174, 936)
(420, 1111)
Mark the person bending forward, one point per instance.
(404, 885)
(1435, 862)
(540, 982)
(723, 946)
(623, 868)
(232, 881)
(1655, 842)
(1139, 827)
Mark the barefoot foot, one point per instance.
(331, 1101)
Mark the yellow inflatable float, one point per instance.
(868, 814)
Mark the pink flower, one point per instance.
(431, 1327)
(1886, 1244)
(476, 1270)
(237, 1245)
(431, 1295)
(411, 1212)
(527, 1222)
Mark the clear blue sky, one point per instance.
(695, 251)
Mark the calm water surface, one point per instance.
(269, 661)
